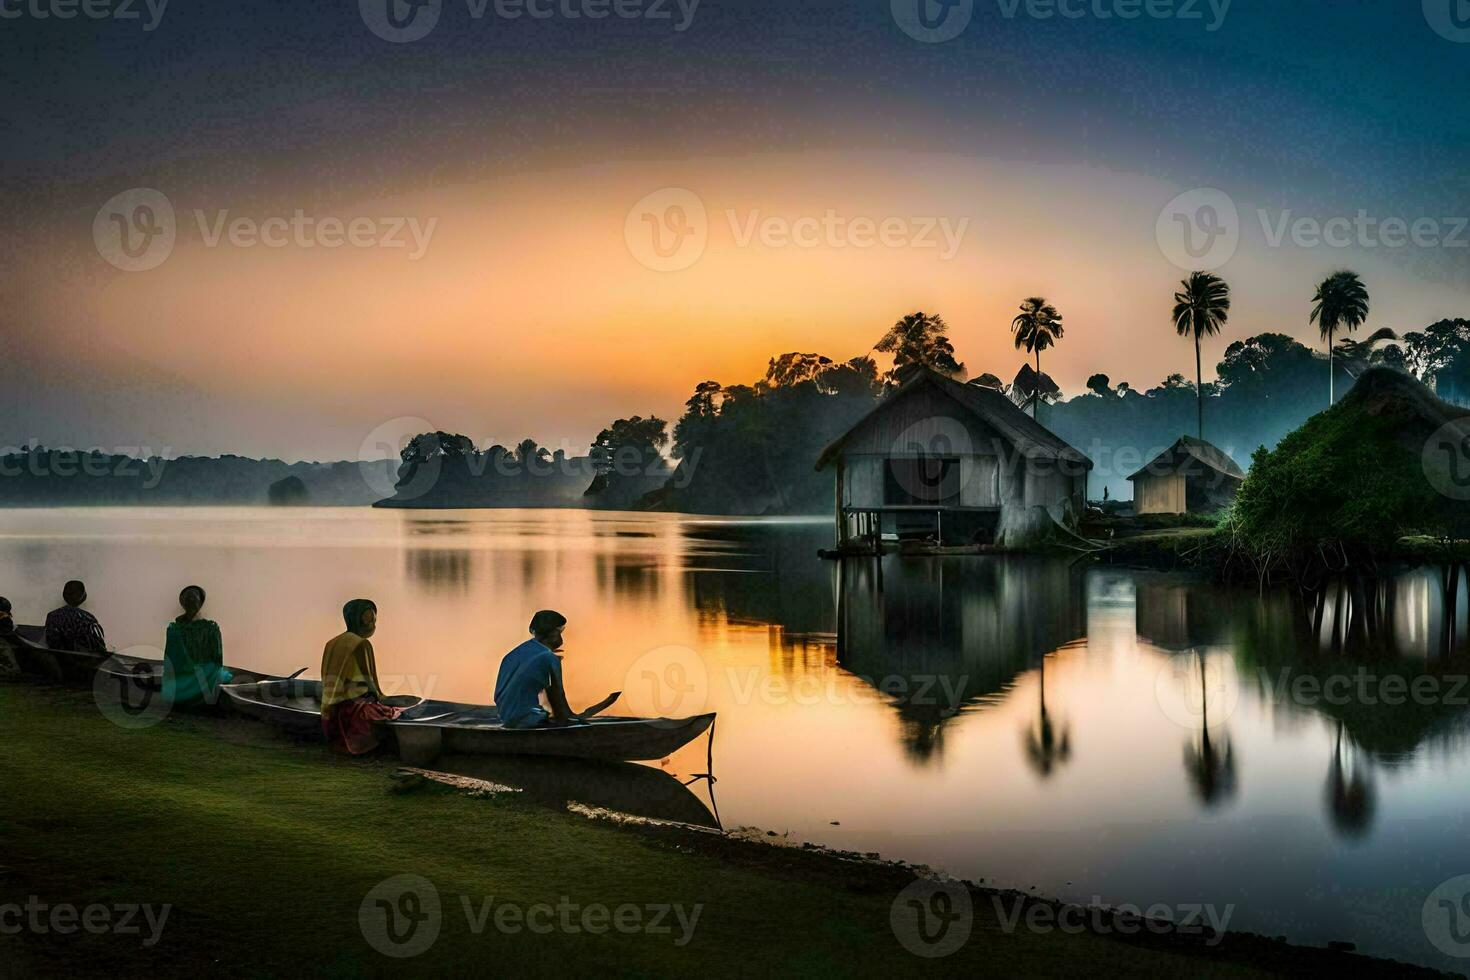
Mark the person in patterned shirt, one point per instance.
(73, 628)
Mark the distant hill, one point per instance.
(40, 477)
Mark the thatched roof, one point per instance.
(1190, 452)
(1031, 438)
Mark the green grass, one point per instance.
(266, 849)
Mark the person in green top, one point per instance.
(193, 654)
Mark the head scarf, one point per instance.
(353, 613)
(191, 588)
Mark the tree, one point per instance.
(1341, 303)
(920, 338)
(1201, 309)
(855, 378)
(1100, 385)
(527, 452)
(630, 445)
(1037, 327)
(793, 369)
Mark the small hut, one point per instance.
(1190, 477)
(953, 463)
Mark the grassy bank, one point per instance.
(266, 849)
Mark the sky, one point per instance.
(280, 229)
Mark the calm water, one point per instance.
(1097, 734)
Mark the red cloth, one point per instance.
(349, 726)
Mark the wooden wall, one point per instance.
(1159, 494)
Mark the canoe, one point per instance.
(33, 658)
(430, 728)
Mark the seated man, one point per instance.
(73, 628)
(533, 668)
(8, 636)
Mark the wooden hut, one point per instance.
(1190, 477)
(959, 464)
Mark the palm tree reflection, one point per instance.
(1351, 798)
(1209, 761)
(1048, 746)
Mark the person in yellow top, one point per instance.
(352, 698)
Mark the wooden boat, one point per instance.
(430, 728)
(33, 658)
(147, 675)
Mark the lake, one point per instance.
(1097, 734)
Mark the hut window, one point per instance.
(921, 481)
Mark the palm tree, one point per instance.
(1341, 301)
(1038, 327)
(1201, 309)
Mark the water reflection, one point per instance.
(1084, 730)
(940, 637)
(1209, 758)
(1351, 797)
(439, 570)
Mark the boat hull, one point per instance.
(431, 728)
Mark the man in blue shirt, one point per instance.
(533, 669)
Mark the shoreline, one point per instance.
(109, 809)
